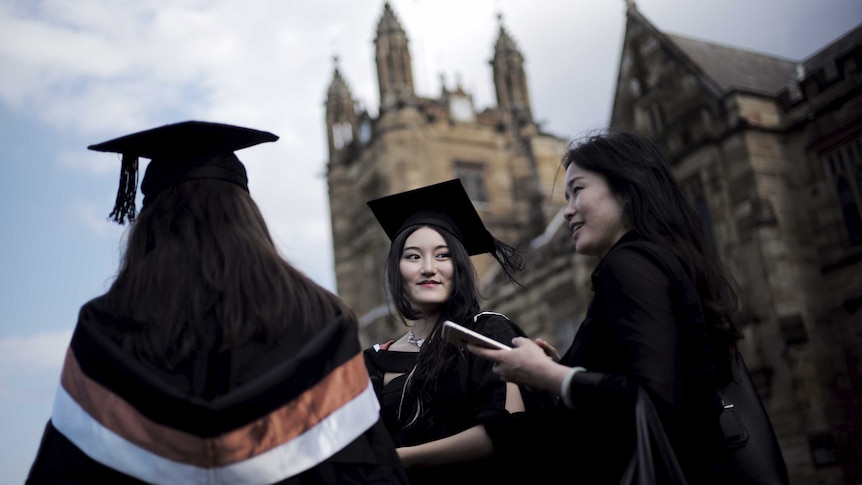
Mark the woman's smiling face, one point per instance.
(594, 211)
(426, 270)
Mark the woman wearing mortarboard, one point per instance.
(437, 399)
(210, 359)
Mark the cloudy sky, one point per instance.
(77, 72)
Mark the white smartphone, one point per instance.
(461, 336)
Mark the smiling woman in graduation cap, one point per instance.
(210, 359)
(436, 398)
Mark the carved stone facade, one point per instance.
(769, 151)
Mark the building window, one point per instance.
(342, 134)
(793, 329)
(649, 45)
(693, 189)
(635, 86)
(844, 173)
(689, 83)
(472, 175)
(364, 132)
(762, 380)
(824, 452)
(369, 267)
(656, 117)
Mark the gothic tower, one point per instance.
(394, 68)
(513, 101)
(510, 80)
(340, 114)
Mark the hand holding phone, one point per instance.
(461, 336)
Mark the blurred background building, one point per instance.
(768, 149)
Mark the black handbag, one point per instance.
(650, 435)
(755, 456)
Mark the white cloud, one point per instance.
(38, 352)
(95, 219)
(87, 162)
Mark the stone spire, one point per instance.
(340, 113)
(394, 67)
(510, 79)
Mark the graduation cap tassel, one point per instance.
(124, 206)
(509, 258)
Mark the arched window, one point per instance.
(694, 190)
(850, 210)
(342, 134)
(472, 175)
(844, 171)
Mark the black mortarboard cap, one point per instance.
(445, 205)
(179, 152)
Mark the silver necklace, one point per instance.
(411, 339)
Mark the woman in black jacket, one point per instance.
(640, 329)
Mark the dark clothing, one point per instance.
(468, 394)
(643, 327)
(60, 462)
(299, 411)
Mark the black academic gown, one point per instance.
(468, 394)
(298, 412)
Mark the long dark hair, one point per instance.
(656, 207)
(435, 356)
(199, 265)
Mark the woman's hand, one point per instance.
(549, 349)
(528, 363)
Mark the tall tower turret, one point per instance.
(394, 68)
(510, 79)
(340, 114)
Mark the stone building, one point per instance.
(769, 150)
